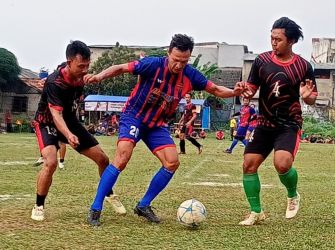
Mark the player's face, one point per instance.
(188, 98)
(280, 45)
(246, 101)
(178, 60)
(78, 66)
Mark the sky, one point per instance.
(38, 31)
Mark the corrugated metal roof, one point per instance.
(27, 73)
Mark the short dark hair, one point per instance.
(182, 42)
(293, 31)
(78, 48)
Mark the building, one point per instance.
(20, 97)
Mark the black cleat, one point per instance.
(93, 218)
(147, 213)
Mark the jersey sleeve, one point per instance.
(54, 94)
(147, 66)
(254, 80)
(198, 80)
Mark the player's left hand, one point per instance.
(91, 78)
(306, 88)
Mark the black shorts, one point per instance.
(187, 131)
(263, 140)
(47, 134)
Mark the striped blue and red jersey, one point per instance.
(245, 114)
(158, 92)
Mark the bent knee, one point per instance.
(172, 165)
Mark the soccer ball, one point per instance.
(191, 213)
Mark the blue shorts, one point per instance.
(251, 128)
(240, 133)
(156, 138)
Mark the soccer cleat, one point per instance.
(147, 213)
(200, 148)
(116, 204)
(228, 151)
(292, 206)
(39, 161)
(61, 165)
(253, 219)
(37, 213)
(93, 218)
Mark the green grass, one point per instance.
(73, 190)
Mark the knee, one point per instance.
(283, 165)
(172, 165)
(50, 165)
(249, 167)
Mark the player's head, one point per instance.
(179, 53)
(78, 58)
(188, 98)
(245, 101)
(284, 34)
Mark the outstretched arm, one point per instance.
(223, 92)
(110, 72)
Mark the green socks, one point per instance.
(252, 188)
(290, 180)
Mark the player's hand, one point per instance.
(238, 89)
(247, 92)
(40, 84)
(91, 78)
(306, 88)
(73, 140)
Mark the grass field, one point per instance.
(213, 177)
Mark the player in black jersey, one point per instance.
(282, 78)
(56, 120)
(186, 124)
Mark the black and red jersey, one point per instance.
(188, 112)
(60, 94)
(279, 83)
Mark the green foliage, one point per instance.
(207, 70)
(312, 126)
(9, 67)
(119, 85)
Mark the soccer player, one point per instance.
(163, 82)
(233, 127)
(245, 113)
(56, 120)
(282, 77)
(252, 124)
(186, 124)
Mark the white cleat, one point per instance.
(39, 161)
(37, 213)
(253, 219)
(116, 204)
(61, 165)
(292, 206)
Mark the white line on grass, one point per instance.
(10, 163)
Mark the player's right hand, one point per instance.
(91, 78)
(73, 140)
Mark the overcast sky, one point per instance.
(37, 31)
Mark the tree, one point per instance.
(9, 67)
(121, 85)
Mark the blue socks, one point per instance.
(158, 183)
(106, 184)
(233, 144)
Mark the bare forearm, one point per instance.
(112, 71)
(60, 123)
(223, 92)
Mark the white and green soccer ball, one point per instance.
(191, 213)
